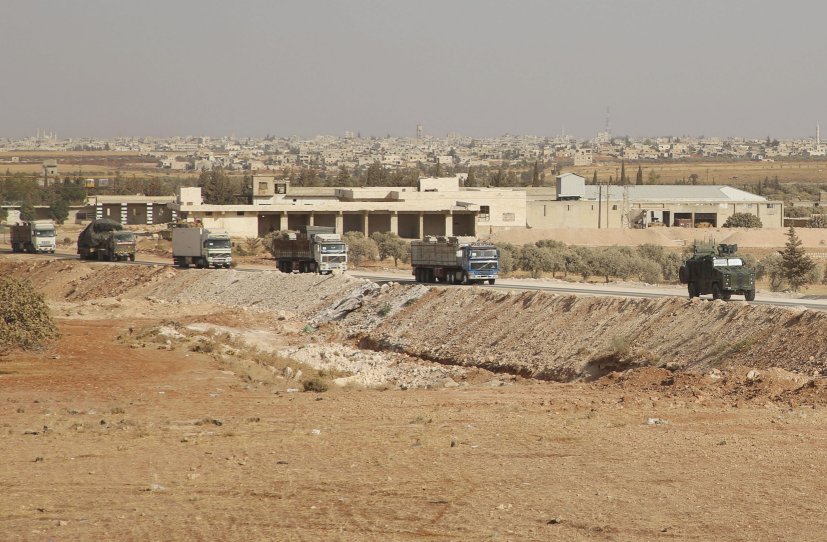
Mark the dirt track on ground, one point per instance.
(137, 425)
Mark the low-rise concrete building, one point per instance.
(131, 209)
(630, 206)
(437, 206)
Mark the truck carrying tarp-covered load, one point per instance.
(314, 249)
(454, 260)
(201, 247)
(106, 240)
(37, 236)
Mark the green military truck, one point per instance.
(106, 240)
(717, 271)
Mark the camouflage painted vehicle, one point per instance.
(717, 271)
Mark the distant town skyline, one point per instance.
(90, 68)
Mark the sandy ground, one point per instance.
(149, 420)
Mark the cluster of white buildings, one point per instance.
(330, 153)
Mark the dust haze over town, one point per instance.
(403, 271)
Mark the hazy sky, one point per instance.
(482, 68)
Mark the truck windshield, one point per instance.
(483, 253)
(124, 236)
(217, 243)
(333, 248)
(727, 262)
(44, 233)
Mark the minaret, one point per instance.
(818, 135)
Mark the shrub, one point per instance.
(743, 220)
(315, 384)
(25, 321)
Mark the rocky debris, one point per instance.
(341, 307)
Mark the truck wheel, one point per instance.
(726, 296)
(750, 295)
(131, 257)
(693, 290)
(682, 275)
(492, 281)
(716, 291)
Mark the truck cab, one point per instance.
(480, 261)
(330, 252)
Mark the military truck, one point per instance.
(37, 236)
(454, 260)
(106, 240)
(313, 249)
(201, 247)
(717, 271)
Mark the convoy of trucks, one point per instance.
(35, 237)
(106, 240)
(201, 247)
(454, 260)
(717, 271)
(314, 249)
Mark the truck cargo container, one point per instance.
(454, 260)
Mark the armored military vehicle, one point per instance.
(717, 271)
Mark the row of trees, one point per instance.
(649, 263)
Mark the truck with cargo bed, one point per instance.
(106, 240)
(314, 249)
(454, 260)
(201, 247)
(36, 237)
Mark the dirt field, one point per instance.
(171, 408)
(733, 173)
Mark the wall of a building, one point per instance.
(591, 214)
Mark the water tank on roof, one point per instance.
(570, 186)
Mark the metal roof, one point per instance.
(676, 192)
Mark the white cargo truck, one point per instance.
(37, 236)
(201, 247)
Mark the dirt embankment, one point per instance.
(532, 334)
(566, 338)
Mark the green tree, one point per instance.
(770, 267)
(59, 211)
(535, 175)
(216, 187)
(594, 177)
(639, 176)
(390, 245)
(360, 248)
(743, 220)
(653, 177)
(27, 212)
(796, 264)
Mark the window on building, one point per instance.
(281, 188)
(208, 213)
(485, 213)
(239, 213)
(262, 186)
(614, 207)
(508, 217)
(771, 205)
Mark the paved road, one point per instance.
(516, 284)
